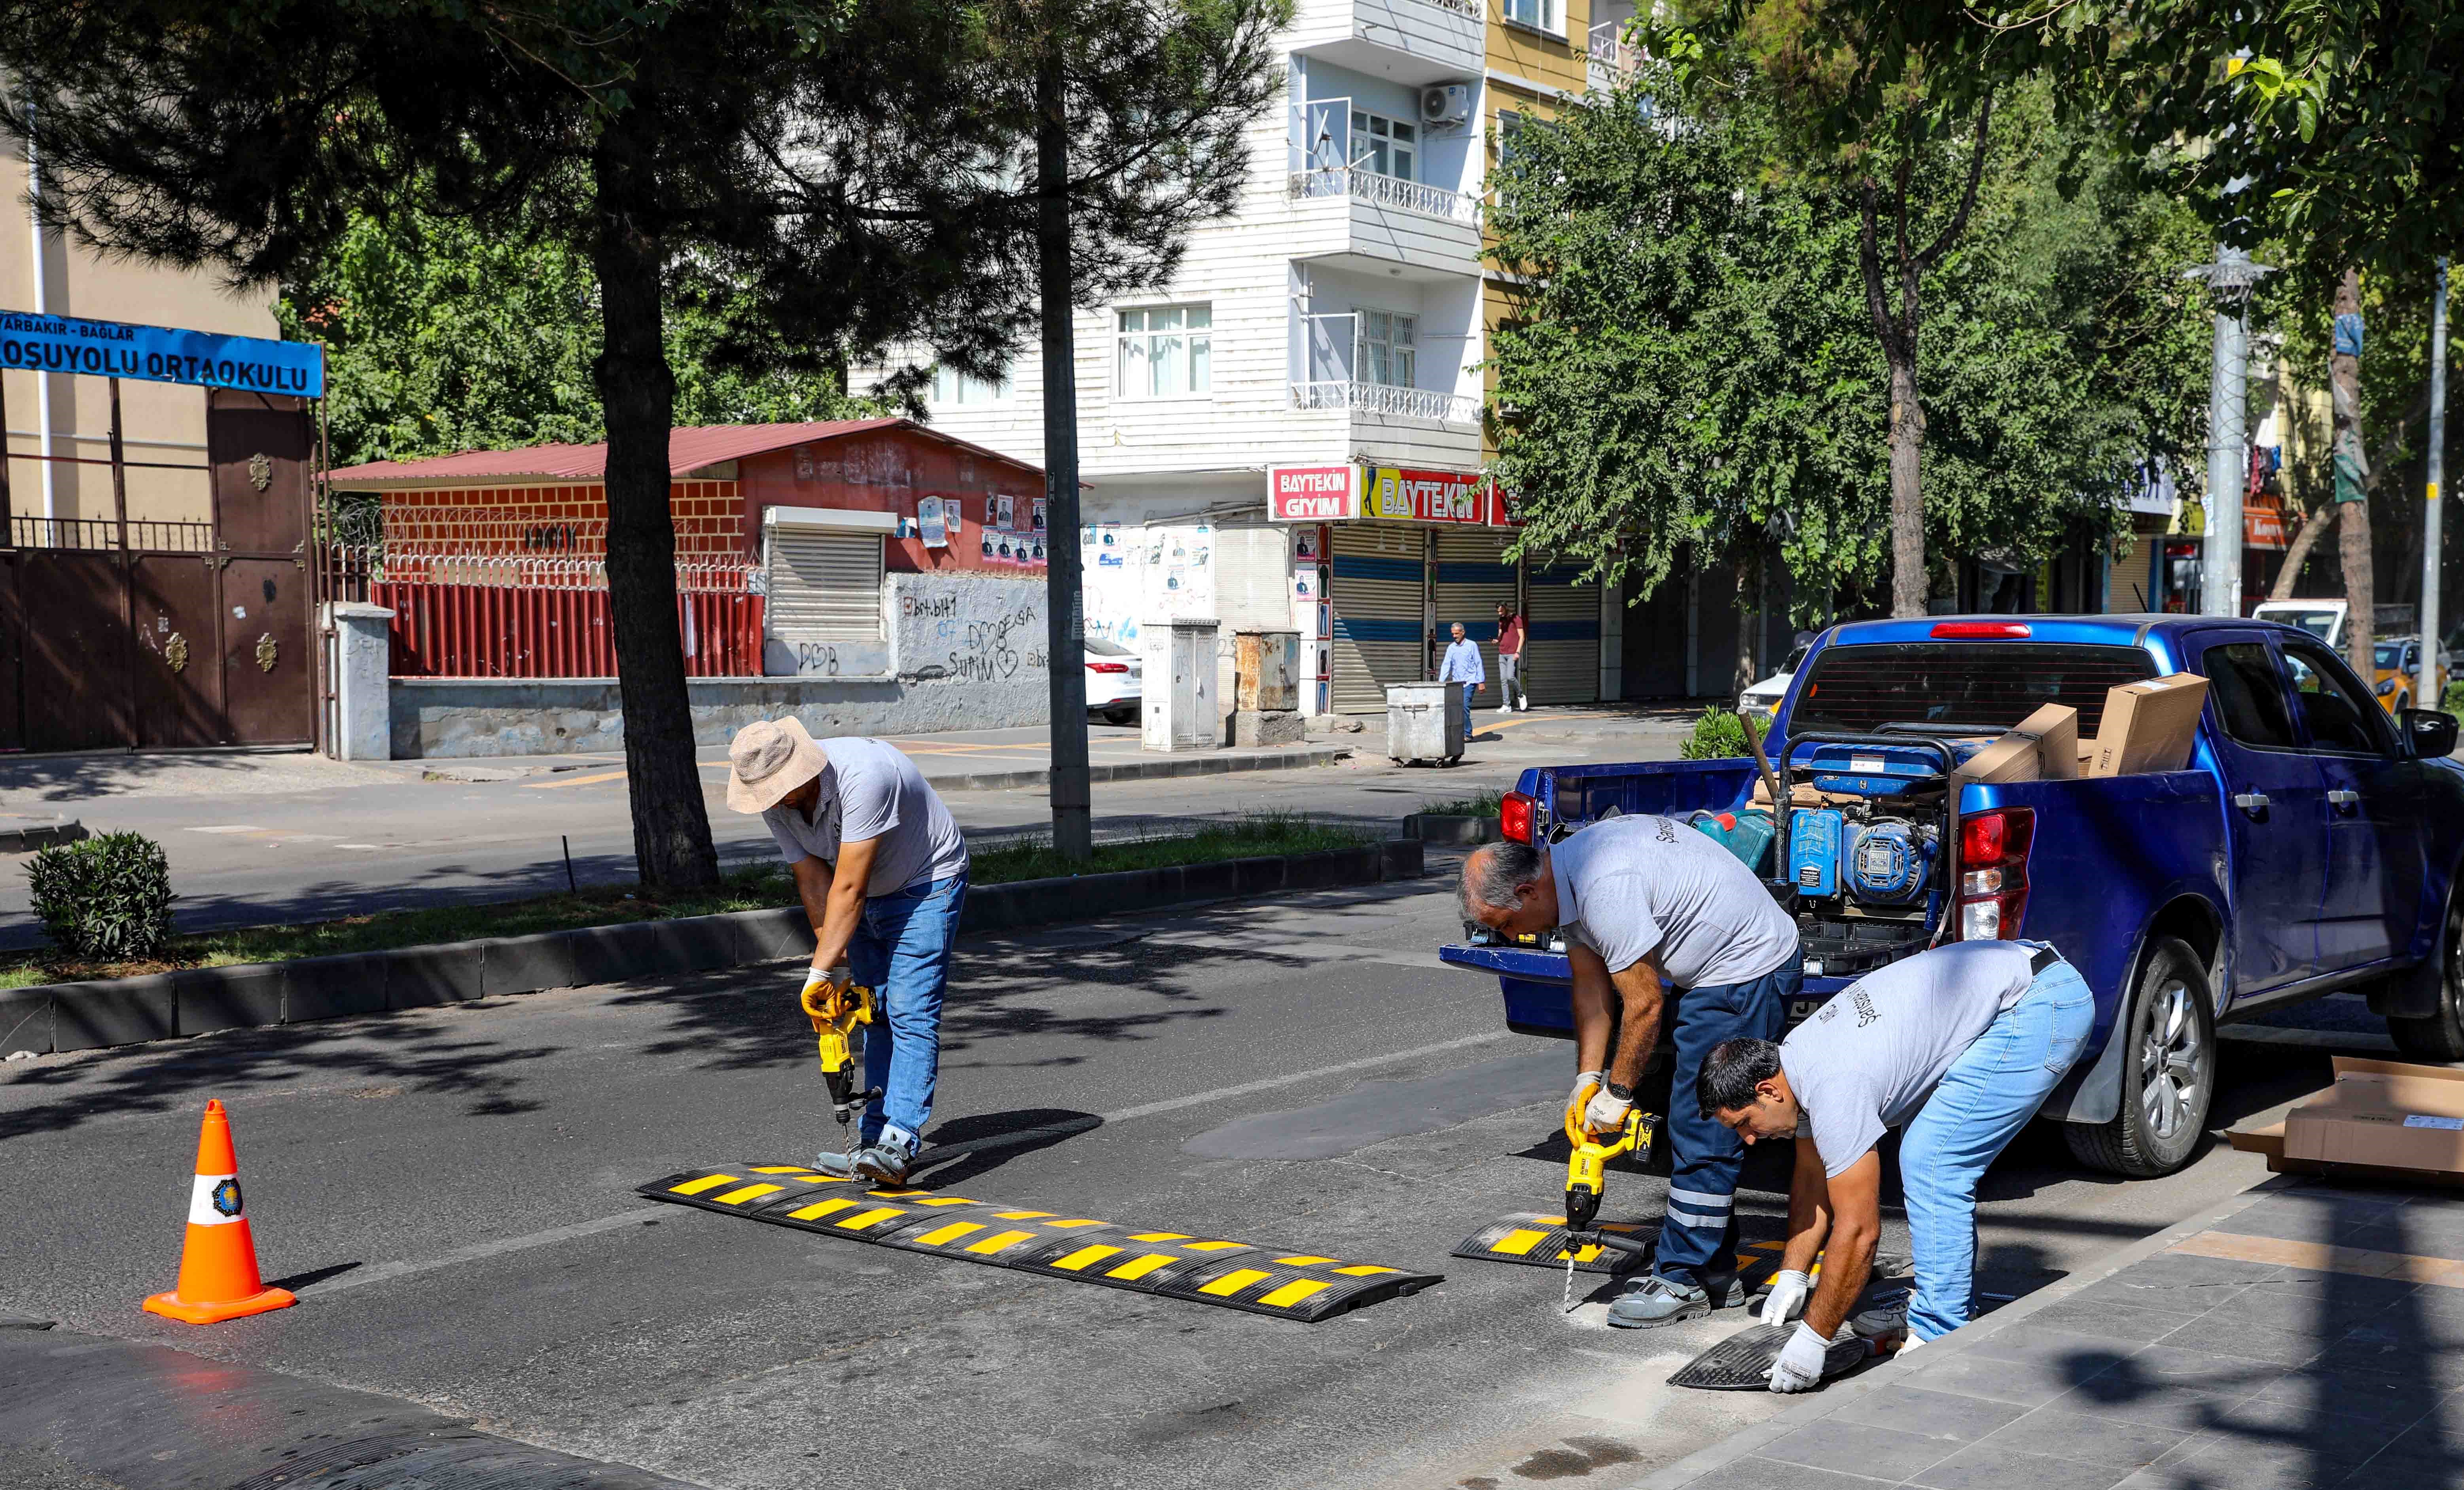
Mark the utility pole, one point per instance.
(2427, 690)
(2228, 280)
(1064, 630)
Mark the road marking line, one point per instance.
(1221, 1093)
(387, 1271)
(573, 781)
(231, 828)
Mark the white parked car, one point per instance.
(1112, 686)
(1762, 700)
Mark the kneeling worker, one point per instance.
(1962, 1044)
(1650, 906)
(882, 871)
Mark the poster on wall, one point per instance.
(1007, 519)
(988, 544)
(1305, 547)
(929, 522)
(1038, 514)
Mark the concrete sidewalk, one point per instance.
(2310, 1334)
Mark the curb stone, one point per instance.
(1450, 828)
(25, 838)
(97, 1014)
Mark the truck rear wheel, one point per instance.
(2439, 1034)
(2169, 1070)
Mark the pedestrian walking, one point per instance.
(882, 871)
(1462, 665)
(1509, 659)
(1654, 911)
(1960, 1045)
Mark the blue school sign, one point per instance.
(160, 354)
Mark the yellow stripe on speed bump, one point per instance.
(1293, 1292)
(1140, 1267)
(1234, 1282)
(738, 1197)
(1519, 1241)
(873, 1217)
(819, 1209)
(706, 1182)
(949, 1233)
(1085, 1256)
(1000, 1240)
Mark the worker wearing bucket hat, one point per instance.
(882, 871)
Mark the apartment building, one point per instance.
(1335, 325)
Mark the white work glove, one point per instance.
(1799, 1366)
(1787, 1296)
(1606, 1114)
(1585, 1084)
(816, 977)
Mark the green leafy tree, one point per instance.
(859, 174)
(441, 337)
(1691, 363)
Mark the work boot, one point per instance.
(885, 1158)
(837, 1164)
(1663, 1299)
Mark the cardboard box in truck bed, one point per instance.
(2149, 725)
(2381, 1119)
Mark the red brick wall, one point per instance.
(885, 470)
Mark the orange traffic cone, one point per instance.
(218, 1277)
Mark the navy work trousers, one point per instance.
(1700, 1234)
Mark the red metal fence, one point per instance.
(494, 630)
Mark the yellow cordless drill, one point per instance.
(836, 1009)
(1587, 1178)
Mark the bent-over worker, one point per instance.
(1653, 909)
(1962, 1044)
(882, 872)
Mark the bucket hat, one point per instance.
(768, 759)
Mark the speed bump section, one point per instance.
(1235, 1275)
(1543, 1241)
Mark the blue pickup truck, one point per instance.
(2312, 845)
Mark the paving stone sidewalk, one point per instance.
(2312, 1337)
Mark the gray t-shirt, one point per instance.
(1868, 1059)
(873, 790)
(1635, 887)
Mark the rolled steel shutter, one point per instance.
(1377, 588)
(824, 584)
(1474, 576)
(1561, 653)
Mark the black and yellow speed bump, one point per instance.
(1542, 1241)
(1234, 1274)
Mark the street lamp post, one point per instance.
(2427, 691)
(2230, 280)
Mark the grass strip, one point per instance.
(760, 887)
(1487, 804)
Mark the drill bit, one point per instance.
(1569, 1300)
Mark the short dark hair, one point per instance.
(1732, 1072)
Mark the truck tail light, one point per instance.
(1982, 631)
(1514, 817)
(1107, 667)
(1992, 896)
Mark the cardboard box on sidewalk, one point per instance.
(2149, 725)
(2381, 1120)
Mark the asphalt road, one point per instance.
(260, 840)
(452, 1191)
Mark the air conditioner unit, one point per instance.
(1445, 103)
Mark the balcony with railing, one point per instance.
(1360, 184)
(1611, 61)
(1386, 398)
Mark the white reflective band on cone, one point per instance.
(215, 1201)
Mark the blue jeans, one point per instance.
(1467, 692)
(901, 950)
(1988, 1093)
(1699, 1232)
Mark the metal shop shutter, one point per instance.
(1562, 651)
(1378, 590)
(1473, 576)
(824, 584)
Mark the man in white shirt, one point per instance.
(1462, 665)
(882, 871)
(1961, 1045)
(1651, 909)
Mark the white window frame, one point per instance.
(1162, 352)
(956, 390)
(1390, 347)
(1548, 17)
(1376, 144)
(1510, 125)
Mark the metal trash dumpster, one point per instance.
(1424, 721)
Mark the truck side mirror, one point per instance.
(2432, 731)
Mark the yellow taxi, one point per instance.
(2395, 667)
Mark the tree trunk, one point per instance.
(1064, 624)
(672, 843)
(1749, 569)
(1909, 585)
(2299, 554)
(2353, 538)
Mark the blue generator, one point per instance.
(1890, 864)
(1813, 841)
